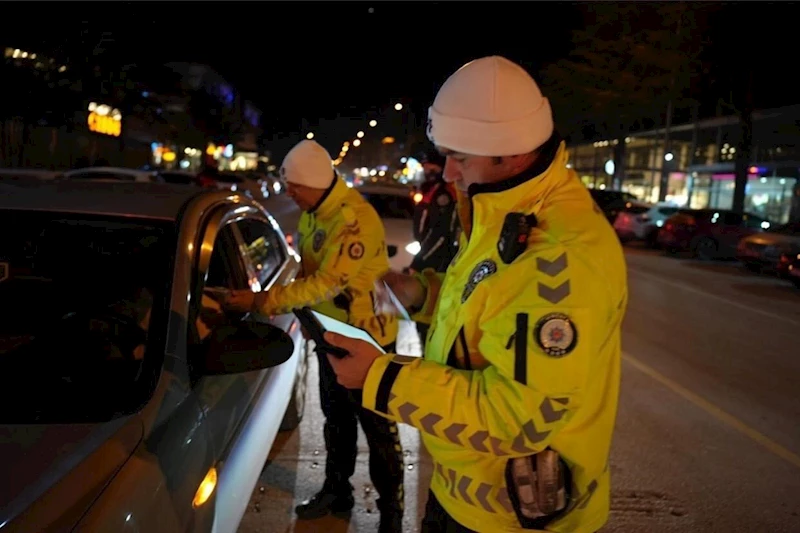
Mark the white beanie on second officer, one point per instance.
(309, 164)
(490, 107)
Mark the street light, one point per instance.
(398, 106)
(668, 156)
(373, 123)
(309, 135)
(360, 134)
(356, 143)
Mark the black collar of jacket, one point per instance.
(327, 193)
(547, 153)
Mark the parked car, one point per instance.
(28, 174)
(708, 233)
(639, 221)
(763, 251)
(790, 264)
(611, 202)
(112, 174)
(184, 177)
(127, 401)
(396, 209)
(239, 181)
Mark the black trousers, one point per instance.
(436, 519)
(343, 411)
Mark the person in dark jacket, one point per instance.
(435, 218)
(436, 225)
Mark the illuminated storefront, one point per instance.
(104, 119)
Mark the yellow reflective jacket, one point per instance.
(343, 251)
(520, 357)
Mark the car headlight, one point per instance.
(413, 248)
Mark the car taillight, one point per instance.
(669, 226)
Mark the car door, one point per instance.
(225, 399)
(245, 410)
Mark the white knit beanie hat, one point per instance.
(490, 107)
(309, 164)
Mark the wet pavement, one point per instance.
(708, 431)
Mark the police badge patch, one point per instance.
(555, 334)
(318, 239)
(483, 270)
(356, 250)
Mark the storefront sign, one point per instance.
(104, 120)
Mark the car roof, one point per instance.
(140, 200)
(110, 170)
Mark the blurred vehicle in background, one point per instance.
(789, 266)
(28, 174)
(611, 202)
(241, 181)
(183, 177)
(267, 184)
(763, 251)
(396, 210)
(708, 233)
(112, 174)
(639, 221)
(119, 400)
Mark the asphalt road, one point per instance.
(708, 431)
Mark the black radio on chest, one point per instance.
(514, 236)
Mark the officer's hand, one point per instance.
(408, 289)
(239, 301)
(351, 371)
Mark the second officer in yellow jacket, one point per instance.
(343, 252)
(516, 396)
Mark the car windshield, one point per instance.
(77, 329)
(391, 205)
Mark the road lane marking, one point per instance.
(715, 411)
(734, 303)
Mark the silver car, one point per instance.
(130, 403)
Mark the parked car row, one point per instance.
(256, 184)
(706, 233)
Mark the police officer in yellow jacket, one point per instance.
(343, 251)
(516, 396)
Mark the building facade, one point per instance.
(698, 164)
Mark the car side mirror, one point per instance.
(391, 250)
(244, 347)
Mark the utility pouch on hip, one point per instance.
(539, 488)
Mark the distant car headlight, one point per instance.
(413, 248)
(276, 187)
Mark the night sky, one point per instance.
(316, 60)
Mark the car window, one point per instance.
(754, 222)
(667, 211)
(391, 205)
(99, 175)
(731, 219)
(177, 178)
(82, 318)
(263, 248)
(225, 271)
(636, 209)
